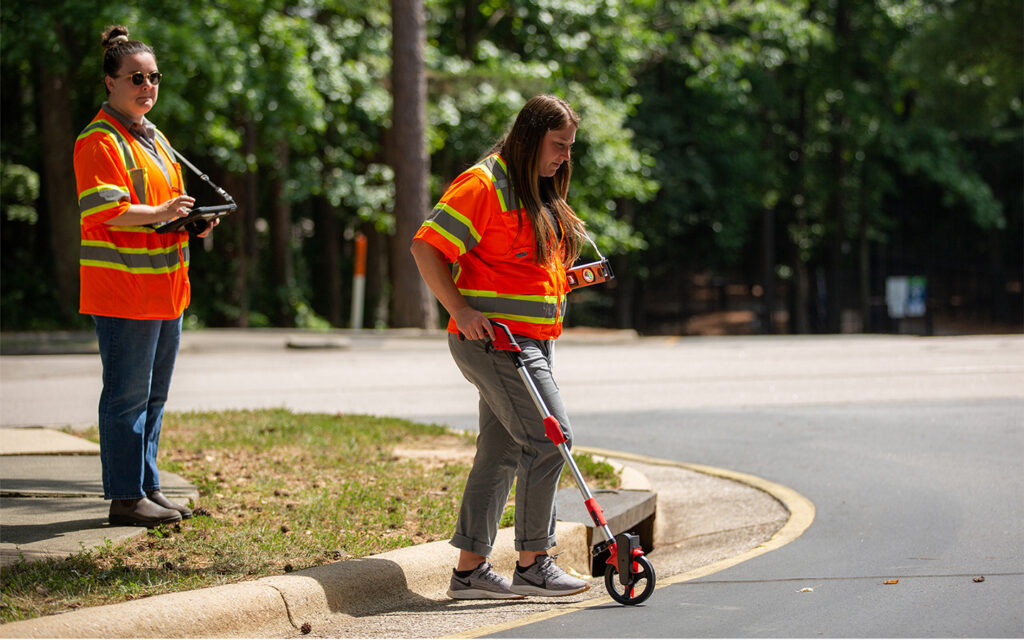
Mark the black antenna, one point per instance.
(205, 178)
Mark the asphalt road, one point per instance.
(910, 449)
(929, 494)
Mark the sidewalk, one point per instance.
(51, 496)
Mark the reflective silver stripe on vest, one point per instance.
(454, 226)
(107, 256)
(494, 168)
(533, 309)
(100, 198)
(137, 174)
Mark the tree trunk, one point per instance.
(836, 208)
(767, 320)
(281, 240)
(413, 305)
(836, 229)
(329, 229)
(625, 288)
(467, 36)
(799, 310)
(249, 213)
(377, 283)
(234, 228)
(864, 263)
(53, 95)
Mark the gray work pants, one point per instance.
(511, 445)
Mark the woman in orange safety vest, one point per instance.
(134, 281)
(507, 228)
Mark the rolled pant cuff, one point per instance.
(123, 496)
(473, 546)
(542, 544)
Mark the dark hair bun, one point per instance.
(114, 36)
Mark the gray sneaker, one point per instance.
(482, 583)
(545, 578)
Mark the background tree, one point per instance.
(413, 303)
(741, 162)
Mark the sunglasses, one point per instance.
(138, 78)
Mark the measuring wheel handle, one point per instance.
(636, 577)
(503, 339)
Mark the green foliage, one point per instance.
(19, 190)
(698, 116)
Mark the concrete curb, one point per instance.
(280, 605)
(204, 613)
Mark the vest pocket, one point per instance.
(519, 236)
(138, 178)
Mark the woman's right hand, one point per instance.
(473, 324)
(175, 207)
(435, 271)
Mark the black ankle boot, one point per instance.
(140, 512)
(159, 498)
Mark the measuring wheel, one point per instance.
(639, 584)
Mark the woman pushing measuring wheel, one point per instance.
(506, 227)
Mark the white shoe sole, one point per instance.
(531, 590)
(481, 594)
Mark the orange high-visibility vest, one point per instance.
(479, 226)
(127, 271)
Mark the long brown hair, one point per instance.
(520, 148)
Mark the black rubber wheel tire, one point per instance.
(632, 594)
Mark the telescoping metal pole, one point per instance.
(554, 432)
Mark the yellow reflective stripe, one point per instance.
(431, 224)
(537, 309)
(102, 207)
(528, 319)
(101, 188)
(107, 255)
(135, 229)
(135, 270)
(481, 293)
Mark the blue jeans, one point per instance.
(138, 360)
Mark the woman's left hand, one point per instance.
(209, 229)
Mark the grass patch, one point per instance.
(279, 492)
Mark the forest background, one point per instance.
(747, 166)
